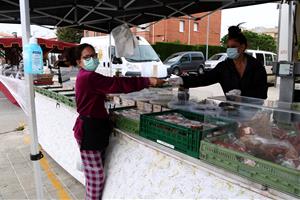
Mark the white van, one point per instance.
(266, 58)
(144, 62)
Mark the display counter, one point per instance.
(139, 168)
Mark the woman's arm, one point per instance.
(108, 85)
(208, 78)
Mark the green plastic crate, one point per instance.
(60, 98)
(180, 138)
(124, 123)
(258, 170)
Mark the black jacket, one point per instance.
(252, 84)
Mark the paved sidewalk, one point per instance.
(16, 171)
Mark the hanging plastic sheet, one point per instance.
(125, 41)
(16, 89)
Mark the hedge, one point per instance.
(165, 49)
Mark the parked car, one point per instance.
(214, 60)
(188, 61)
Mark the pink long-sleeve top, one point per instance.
(90, 91)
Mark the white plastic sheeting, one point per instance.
(17, 89)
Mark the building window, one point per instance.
(181, 26)
(143, 27)
(87, 33)
(196, 26)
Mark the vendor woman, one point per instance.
(92, 127)
(239, 72)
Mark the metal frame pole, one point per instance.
(286, 88)
(109, 52)
(31, 117)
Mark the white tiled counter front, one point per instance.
(138, 168)
(55, 123)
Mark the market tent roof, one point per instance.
(54, 45)
(104, 15)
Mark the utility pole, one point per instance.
(189, 32)
(207, 37)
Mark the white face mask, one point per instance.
(232, 53)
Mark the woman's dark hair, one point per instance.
(74, 53)
(235, 33)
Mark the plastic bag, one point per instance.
(17, 88)
(125, 41)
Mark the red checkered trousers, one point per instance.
(93, 166)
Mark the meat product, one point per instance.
(245, 130)
(279, 133)
(250, 142)
(292, 154)
(271, 152)
(230, 146)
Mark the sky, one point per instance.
(265, 15)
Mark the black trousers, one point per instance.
(96, 133)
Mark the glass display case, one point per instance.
(265, 147)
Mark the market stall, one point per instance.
(11, 48)
(104, 16)
(12, 58)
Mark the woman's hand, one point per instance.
(175, 82)
(156, 82)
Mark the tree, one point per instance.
(256, 41)
(69, 34)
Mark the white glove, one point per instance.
(175, 82)
(234, 92)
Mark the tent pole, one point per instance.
(110, 63)
(285, 46)
(31, 117)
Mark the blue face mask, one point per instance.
(91, 64)
(232, 53)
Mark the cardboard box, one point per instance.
(157, 108)
(116, 100)
(148, 107)
(128, 102)
(140, 105)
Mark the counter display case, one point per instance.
(264, 148)
(220, 171)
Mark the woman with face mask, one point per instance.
(92, 127)
(239, 74)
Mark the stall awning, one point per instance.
(104, 15)
(47, 43)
